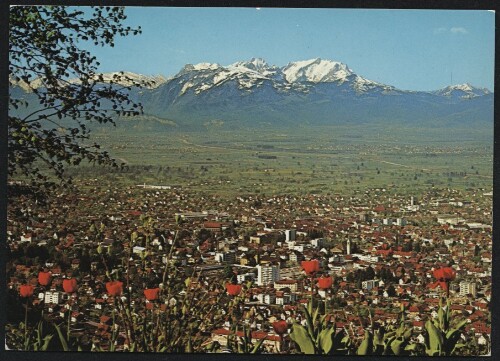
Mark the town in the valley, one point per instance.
(248, 267)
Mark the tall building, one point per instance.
(348, 246)
(467, 287)
(290, 235)
(267, 274)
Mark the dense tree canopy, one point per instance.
(62, 90)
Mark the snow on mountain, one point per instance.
(129, 78)
(206, 66)
(323, 77)
(26, 86)
(316, 71)
(464, 91)
(126, 79)
(204, 76)
(296, 76)
(258, 65)
(317, 91)
(327, 71)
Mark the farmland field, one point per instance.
(300, 160)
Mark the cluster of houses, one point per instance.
(380, 248)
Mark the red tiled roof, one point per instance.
(286, 282)
(212, 225)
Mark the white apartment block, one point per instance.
(267, 274)
(467, 287)
(52, 297)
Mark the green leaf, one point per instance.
(62, 339)
(326, 340)
(411, 347)
(301, 337)
(397, 345)
(315, 315)
(310, 325)
(39, 332)
(257, 346)
(435, 338)
(401, 329)
(456, 329)
(189, 346)
(407, 334)
(46, 342)
(309, 308)
(366, 346)
(441, 317)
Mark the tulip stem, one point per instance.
(157, 328)
(312, 290)
(113, 330)
(127, 321)
(326, 302)
(69, 322)
(151, 342)
(26, 326)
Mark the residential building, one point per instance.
(467, 287)
(267, 274)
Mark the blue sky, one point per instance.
(409, 49)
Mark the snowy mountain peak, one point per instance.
(464, 87)
(256, 64)
(298, 76)
(129, 78)
(206, 66)
(198, 67)
(316, 71)
(465, 90)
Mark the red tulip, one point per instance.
(44, 278)
(233, 290)
(444, 274)
(70, 285)
(151, 293)
(325, 282)
(26, 290)
(310, 267)
(114, 288)
(280, 327)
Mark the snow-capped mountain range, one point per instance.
(294, 75)
(299, 76)
(315, 91)
(464, 91)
